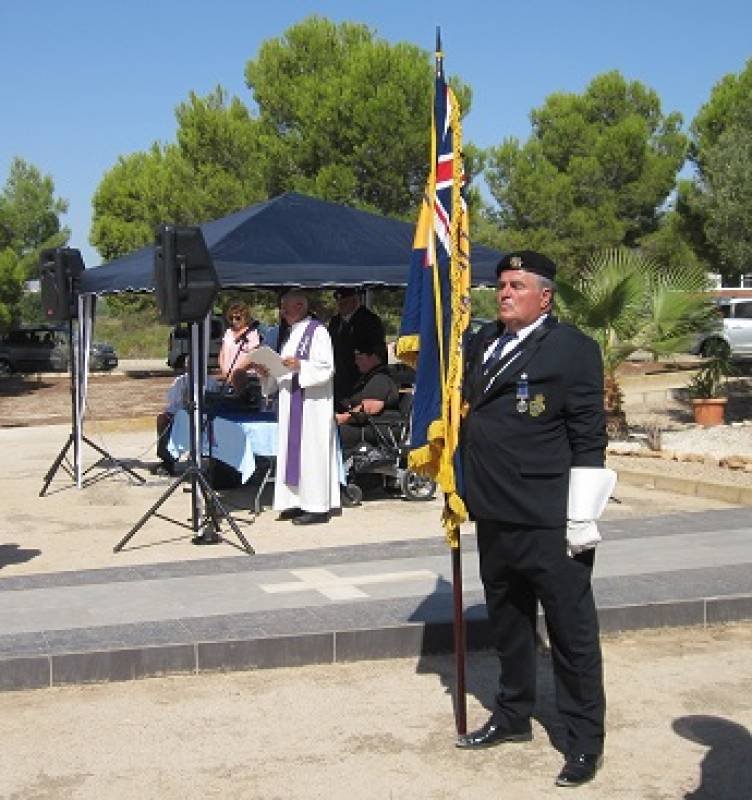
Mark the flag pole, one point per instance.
(460, 694)
(459, 639)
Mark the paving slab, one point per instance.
(373, 583)
(342, 603)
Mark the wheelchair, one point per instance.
(385, 456)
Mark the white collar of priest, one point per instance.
(300, 322)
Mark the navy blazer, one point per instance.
(516, 460)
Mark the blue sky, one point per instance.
(83, 82)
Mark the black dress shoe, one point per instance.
(310, 518)
(493, 733)
(579, 768)
(289, 513)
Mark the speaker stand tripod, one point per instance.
(207, 529)
(76, 437)
(62, 462)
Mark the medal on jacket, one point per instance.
(523, 393)
(537, 405)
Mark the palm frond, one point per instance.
(626, 302)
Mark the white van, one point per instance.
(734, 331)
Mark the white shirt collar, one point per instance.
(523, 333)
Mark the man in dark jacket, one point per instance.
(352, 322)
(534, 409)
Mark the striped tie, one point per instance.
(495, 355)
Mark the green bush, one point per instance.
(136, 335)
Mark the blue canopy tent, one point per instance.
(290, 240)
(293, 240)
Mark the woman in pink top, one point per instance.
(238, 342)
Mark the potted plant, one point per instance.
(707, 388)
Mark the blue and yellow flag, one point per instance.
(437, 308)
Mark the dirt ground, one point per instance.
(679, 715)
(46, 399)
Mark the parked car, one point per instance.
(40, 348)
(179, 345)
(102, 357)
(733, 330)
(44, 348)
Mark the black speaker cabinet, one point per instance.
(59, 274)
(184, 274)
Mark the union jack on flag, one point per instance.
(437, 308)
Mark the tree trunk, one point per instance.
(616, 419)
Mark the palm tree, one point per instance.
(626, 302)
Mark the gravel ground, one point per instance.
(719, 441)
(680, 440)
(713, 444)
(701, 471)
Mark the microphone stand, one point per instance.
(241, 340)
(223, 393)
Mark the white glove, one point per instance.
(589, 490)
(582, 534)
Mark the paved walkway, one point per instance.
(343, 603)
(373, 583)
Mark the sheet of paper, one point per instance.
(270, 359)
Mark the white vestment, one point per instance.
(318, 489)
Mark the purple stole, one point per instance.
(297, 396)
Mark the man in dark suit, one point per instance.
(352, 322)
(534, 409)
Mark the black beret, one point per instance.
(370, 344)
(528, 260)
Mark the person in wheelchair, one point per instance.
(374, 393)
(374, 427)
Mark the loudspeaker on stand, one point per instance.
(59, 274)
(184, 275)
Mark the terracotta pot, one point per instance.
(709, 411)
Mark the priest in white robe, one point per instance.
(306, 488)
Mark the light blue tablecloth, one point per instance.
(234, 441)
